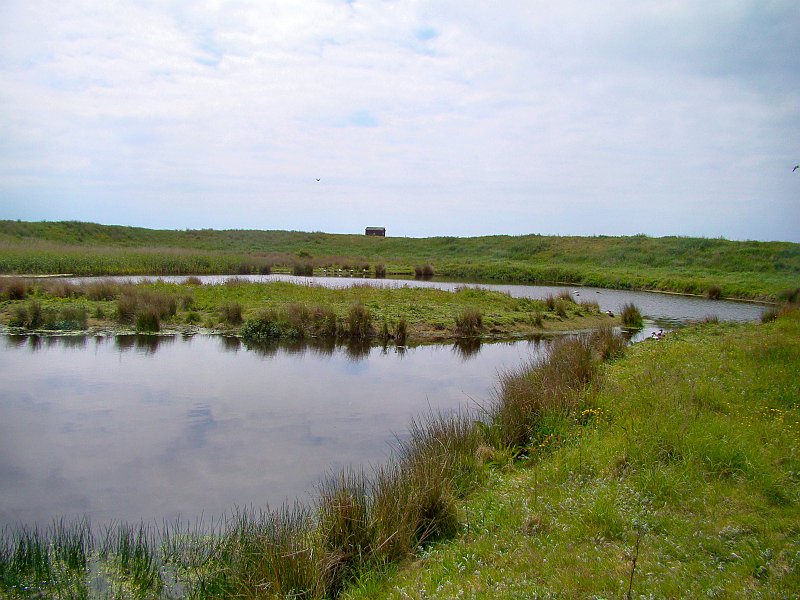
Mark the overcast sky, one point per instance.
(429, 118)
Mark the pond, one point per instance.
(155, 427)
(150, 428)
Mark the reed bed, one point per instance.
(358, 523)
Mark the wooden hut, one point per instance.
(377, 231)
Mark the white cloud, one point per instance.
(433, 117)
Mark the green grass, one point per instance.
(678, 475)
(730, 269)
(264, 311)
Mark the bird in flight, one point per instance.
(318, 177)
(793, 170)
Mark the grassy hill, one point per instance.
(758, 270)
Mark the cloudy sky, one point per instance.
(451, 117)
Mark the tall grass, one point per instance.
(469, 323)
(631, 317)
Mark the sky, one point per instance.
(451, 117)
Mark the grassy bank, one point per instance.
(679, 477)
(280, 310)
(758, 270)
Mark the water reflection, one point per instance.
(144, 344)
(466, 348)
(103, 429)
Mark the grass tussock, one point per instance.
(631, 316)
(469, 323)
(424, 272)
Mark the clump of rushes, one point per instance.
(14, 289)
(148, 321)
(324, 322)
(423, 272)
(231, 313)
(303, 269)
(469, 323)
(380, 271)
(345, 528)
(359, 321)
(401, 333)
(35, 316)
(533, 399)
(134, 301)
(298, 318)
(631, 317)
(193, 280)
(714, 292)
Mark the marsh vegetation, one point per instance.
(700, 266)
(281, 310)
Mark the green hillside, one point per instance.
(749, 269)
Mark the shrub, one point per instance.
(631, 317)
(263, 328)
(714, 292)
(469, 323)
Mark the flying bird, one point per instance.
(317, 178)
(793, 170)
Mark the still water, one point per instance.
(152, 428)
(664, 309)
(155, 427)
